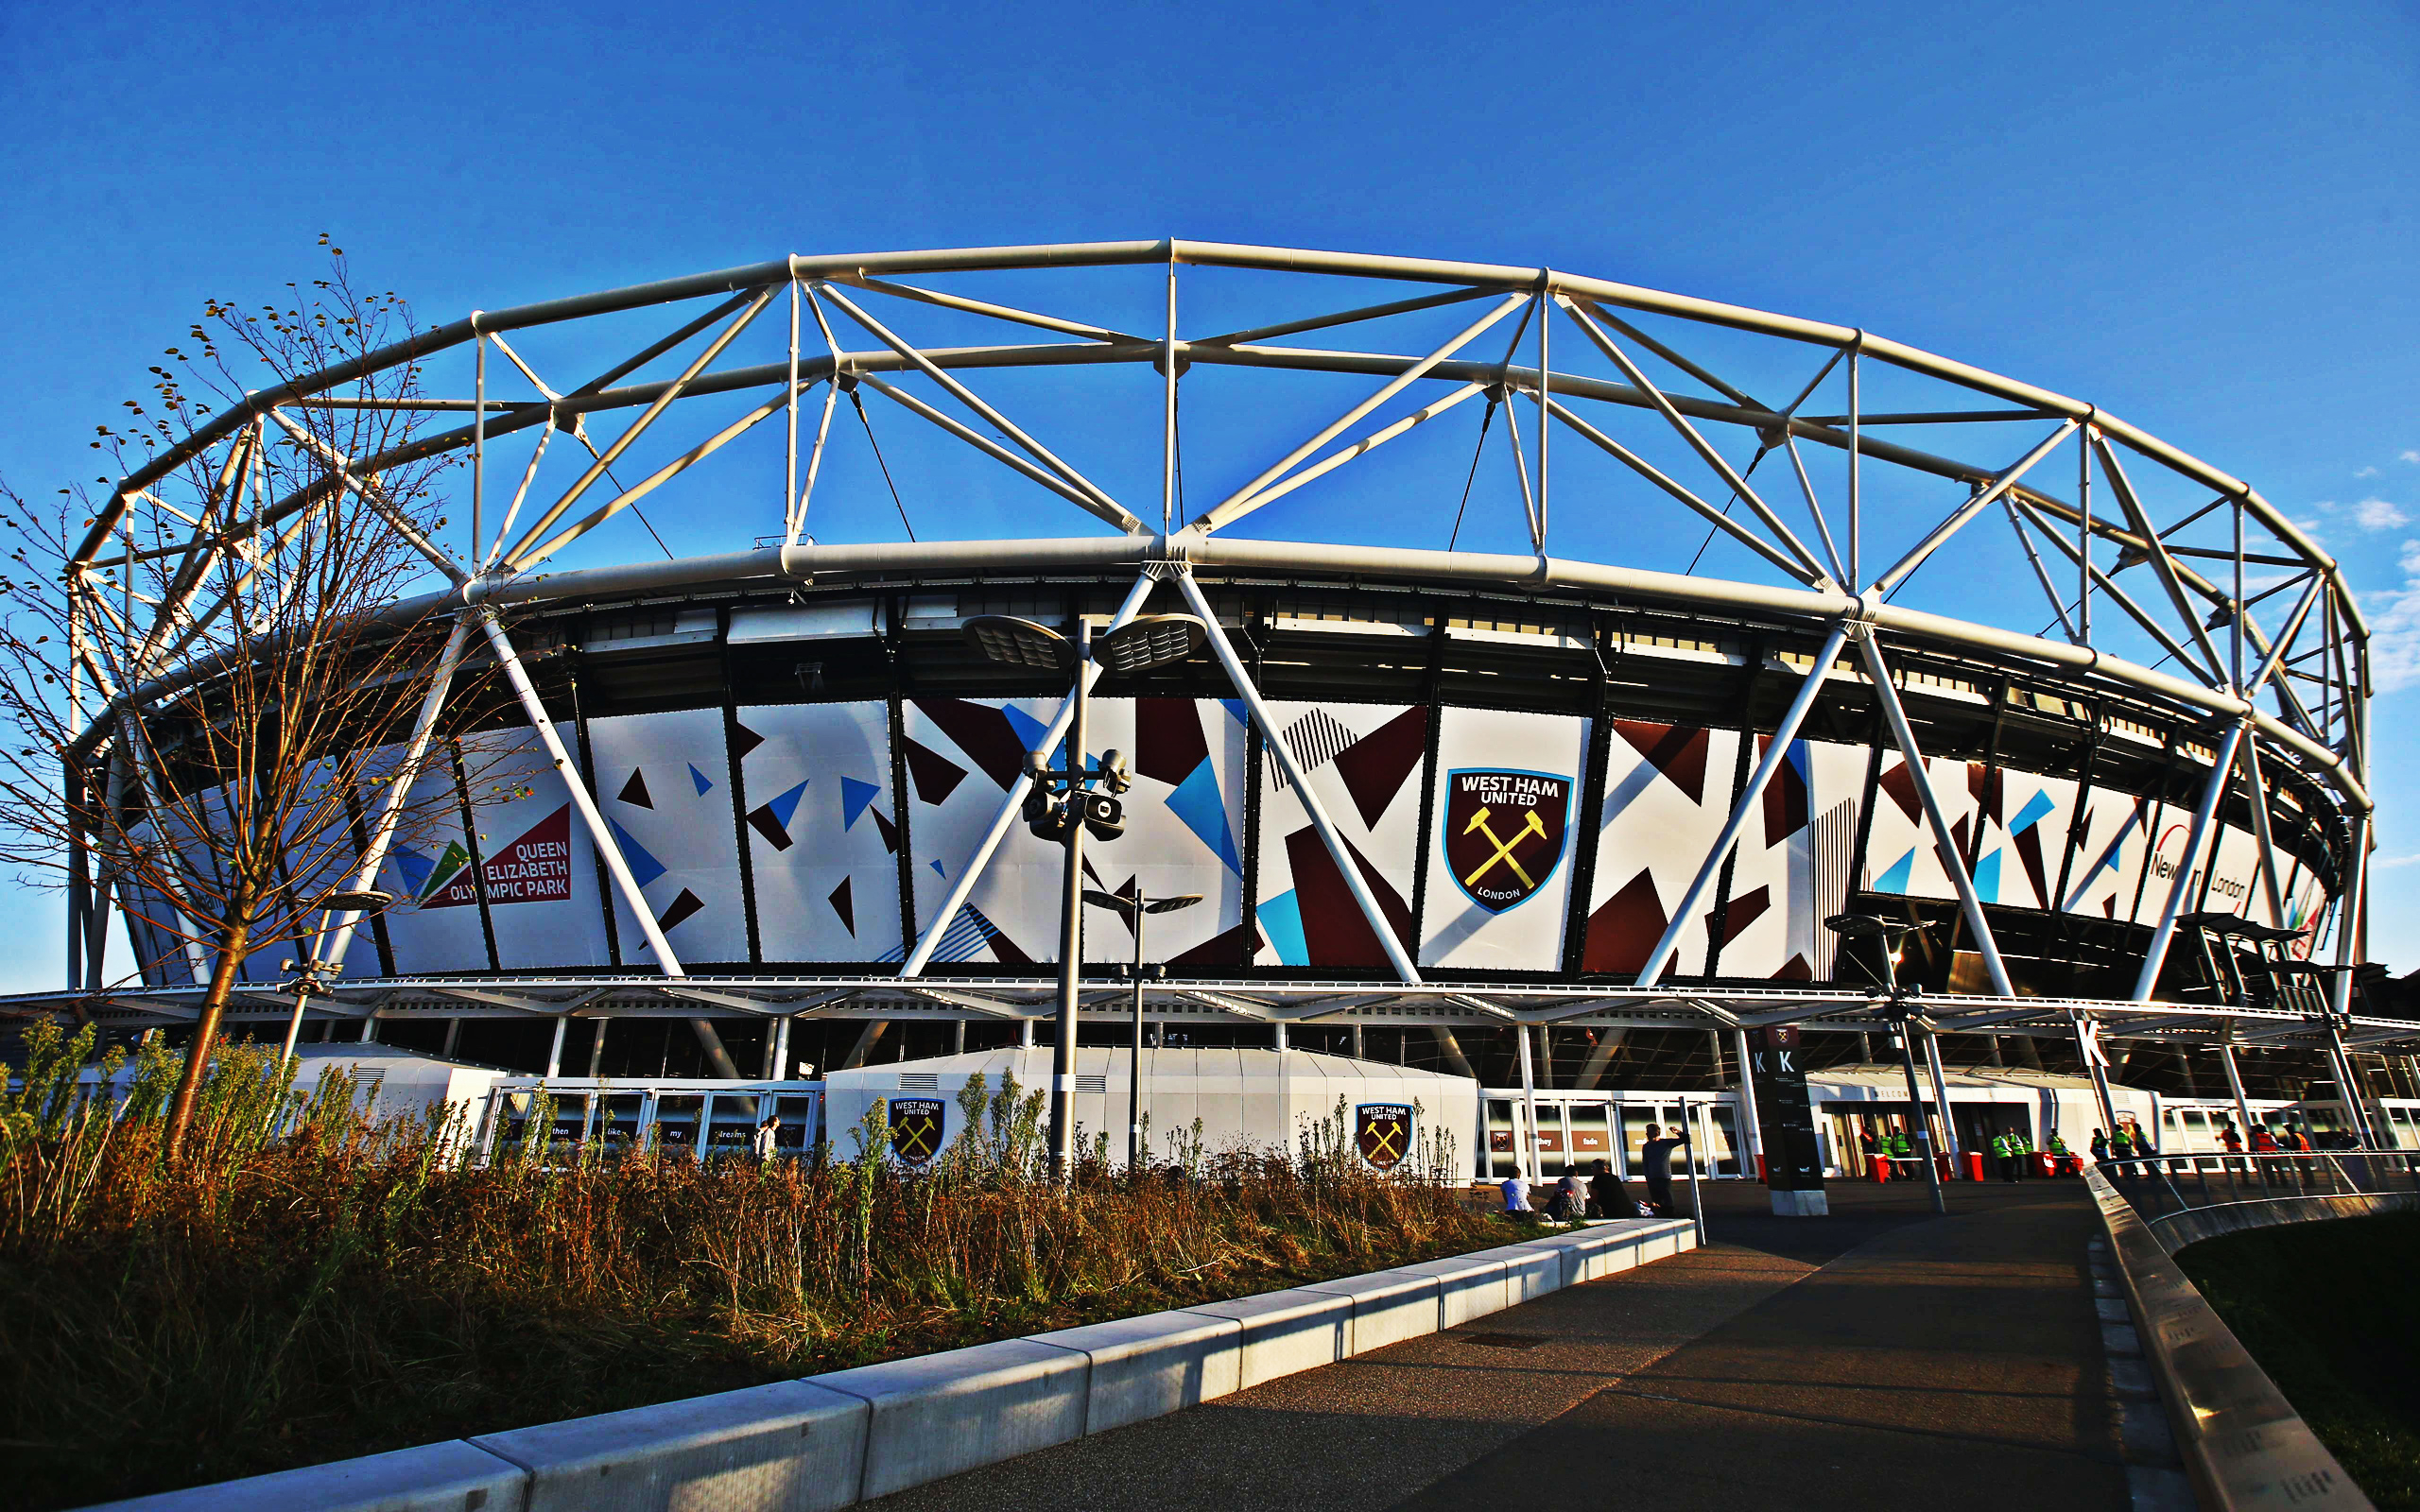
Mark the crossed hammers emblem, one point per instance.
(1529, 826)
(1385, 1140)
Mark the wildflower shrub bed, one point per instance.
(305, 1284)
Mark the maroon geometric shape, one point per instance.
(1795, 970)
(1901, 784)
(935, 774)
(1168, 743)
(743, 739)
(2029, 850)
(634, 791)
(682, 906)
(1334, 930)
(890, 831)
(1741, 912)
(1678, 751)
(762, 821)
(983, 733)
(1230, 948)
(1375, 766)
(1785, 800)
(1625, 927)
(841, 905)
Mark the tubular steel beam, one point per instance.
(1337, 851)
(1945, 840)
(1776, 752)
(2188, 865)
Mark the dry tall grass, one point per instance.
(307, 1284)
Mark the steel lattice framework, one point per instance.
(2227, 622)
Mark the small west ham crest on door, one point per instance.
(1383, 1131)
(1504, 833)
(916, 1128)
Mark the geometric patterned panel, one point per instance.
(665, 789)
(434, 924)
(1793, 869)
(538, 867)
(1363, 763)
(1507, 810)
(822, 831)
(1668, 791)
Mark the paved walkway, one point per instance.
(1878, 1358)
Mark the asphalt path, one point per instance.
(1881, 1357)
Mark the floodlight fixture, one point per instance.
(1020, 643)
(1149, 640)
(355, 899)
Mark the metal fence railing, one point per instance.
(2167, 1189)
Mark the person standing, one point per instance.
(1655, 1161)
(2004, 1150)
(767, 1139)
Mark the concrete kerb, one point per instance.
(454, 1476)
(790, 1445)
(851, 1434)
(939, 1414)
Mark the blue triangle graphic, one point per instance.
(644, 868)
(698, 776)
(855, 796)
(1987, 876)
(414, 866)
(785, 805)
(1029, 729)
(2037, 808)
(1236, 708)
(1202, 809)
(1897, 878)
(936, 869)
(1281, 920)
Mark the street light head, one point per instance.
(1170, 905)
(1118, 902)
(1150, 641)
(1020, 643)
(1869, 926)
(355, 901)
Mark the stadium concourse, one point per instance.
(1783, 626)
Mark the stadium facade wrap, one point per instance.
(1950, 648)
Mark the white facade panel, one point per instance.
(664, 785)
(1363, 763)
(823, 831)
(1793, 869)
(1504, 821)
(1667, 791)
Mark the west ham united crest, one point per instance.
(916, 1128)
(1383, 1131)
(1504, 833)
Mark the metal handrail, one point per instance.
(2162, 1188)
(2242, 1443)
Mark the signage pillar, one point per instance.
(1786, 1122)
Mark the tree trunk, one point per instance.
(205, 1031)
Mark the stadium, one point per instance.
(1572, 652)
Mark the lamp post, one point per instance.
(1869, 926)
(342, 901)
(1134, 908)
(1067, 802)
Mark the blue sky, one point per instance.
(2204, 219)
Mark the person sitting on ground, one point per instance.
(1563, 1205)
(1516, 1197)
(1655, 1160)
(1605, 1196)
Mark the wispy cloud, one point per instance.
(2413, 458)
(2394, 628)
(2366, 472)
(2393, 862)
(2376, 514)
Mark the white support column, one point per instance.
(1528, 1162)
(1749, 1126)
(2188, 864)
(1014, 800)
(336, 942)
(2235, 1086)
(598, 833)
(1941, 1097)
(1750, 798)
(2249, 752)
(1354, 882)
(555, 1051)
(1945, 842)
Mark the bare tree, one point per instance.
(206, 704)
